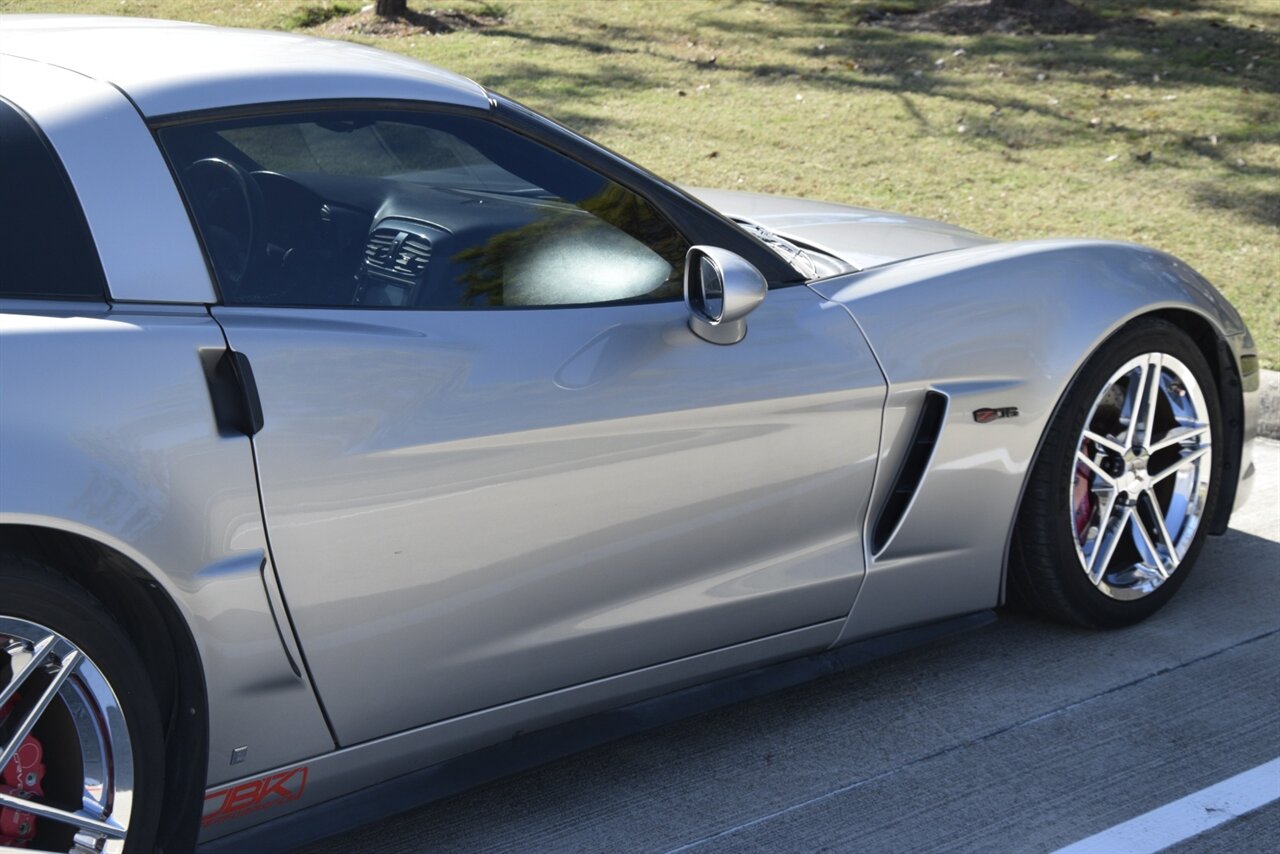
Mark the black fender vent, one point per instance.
(911, 472)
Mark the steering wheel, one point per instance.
(229, 210)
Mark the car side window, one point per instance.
(46, 250)
(394, 208)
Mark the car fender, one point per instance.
(1002, 327)
(107, 433)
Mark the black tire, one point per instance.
(40, 594)
(1046, 576)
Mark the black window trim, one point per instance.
(691, 219)
(81, 225)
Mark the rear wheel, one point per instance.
(81, 749)
(1115, 510)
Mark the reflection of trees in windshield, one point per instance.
(577, 255)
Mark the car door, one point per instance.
(495, 462)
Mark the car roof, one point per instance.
(169, 67)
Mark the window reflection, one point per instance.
(398, 209)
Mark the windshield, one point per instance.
(375, 148)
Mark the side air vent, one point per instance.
(914, 464)
(397, 255)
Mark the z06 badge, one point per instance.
(986, 414)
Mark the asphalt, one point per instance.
(1016, 736)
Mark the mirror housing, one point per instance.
(720, 290)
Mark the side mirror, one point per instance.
(720, 289)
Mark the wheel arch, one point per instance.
(1217, 352)
(161, 637)
(1212, 344)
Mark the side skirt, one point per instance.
(343, 790)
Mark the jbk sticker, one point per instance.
(253, 795)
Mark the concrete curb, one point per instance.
(1269, 405)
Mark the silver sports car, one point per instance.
(355, 418)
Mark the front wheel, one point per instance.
(81, 762)
(1116, 506)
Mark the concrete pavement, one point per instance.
(1269, 405)
(1019, 736)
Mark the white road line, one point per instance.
(1187, 817)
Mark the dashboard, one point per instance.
(321, 239)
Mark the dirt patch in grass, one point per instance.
(974, 17)
(413, 23)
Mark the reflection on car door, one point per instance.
(472, 507)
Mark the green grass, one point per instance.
(1014, 136)
(314, 16)
(493, 10)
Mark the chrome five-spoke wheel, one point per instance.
(66, 760)
(1141, 483)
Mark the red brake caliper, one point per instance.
(1083, 494)
(20, 778)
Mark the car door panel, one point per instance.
(471, 507)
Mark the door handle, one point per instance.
(237, 408)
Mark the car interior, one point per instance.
(406, 210)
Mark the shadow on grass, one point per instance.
(1180, 52)
(563, 88)
(1259, 205)
(1173, 54)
